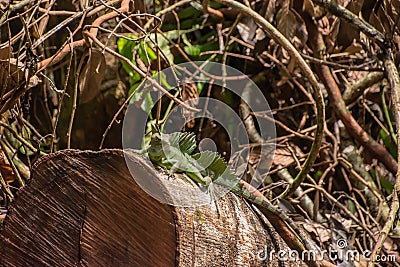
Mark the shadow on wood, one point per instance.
(84, 208)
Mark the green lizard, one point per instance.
(174, 153)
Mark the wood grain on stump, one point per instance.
(84, 208)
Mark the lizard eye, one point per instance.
(155, 140)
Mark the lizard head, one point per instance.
(155, 150)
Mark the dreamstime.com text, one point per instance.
(341, 254)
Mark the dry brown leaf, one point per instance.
(5, 169)
(81, 4)
(260, 34)
(255, 157)
(92, 75)
(7, 173)
(346, 223)
(308, 7)
(389, 245)
(319, 230)
(4, 4)
(385, 18)
(284, 156)
(347, 32)
(12, 72)
(270, 12)
(286, 20)
(247, 29)
(395, 5)
(354, 48)
(376, 22)
(5, 52)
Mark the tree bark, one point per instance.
(84, 208)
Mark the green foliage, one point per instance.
(352, 206)
(318, 174)
(146, 55)
(15, 143)
(385, 183)
(125, 48)
(388, 142)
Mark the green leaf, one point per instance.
(386, 184)
(134, 77)
(15, 143)
(189, 12)
(145, 53)
(389, 144)
(164, 44)
(147, 101)
(137, 95)
(162, 79)
(318, 175)
(125, 48)
(193, 50)
(352, 206)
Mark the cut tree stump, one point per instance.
(84, 208)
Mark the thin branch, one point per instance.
(393, 77)
(66, 49)
(22, 140)
(335, 96)
(357, 89)
(6, 188)
(139, 71)
(285, 43)
(355, 21)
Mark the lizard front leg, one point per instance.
(211, 192)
